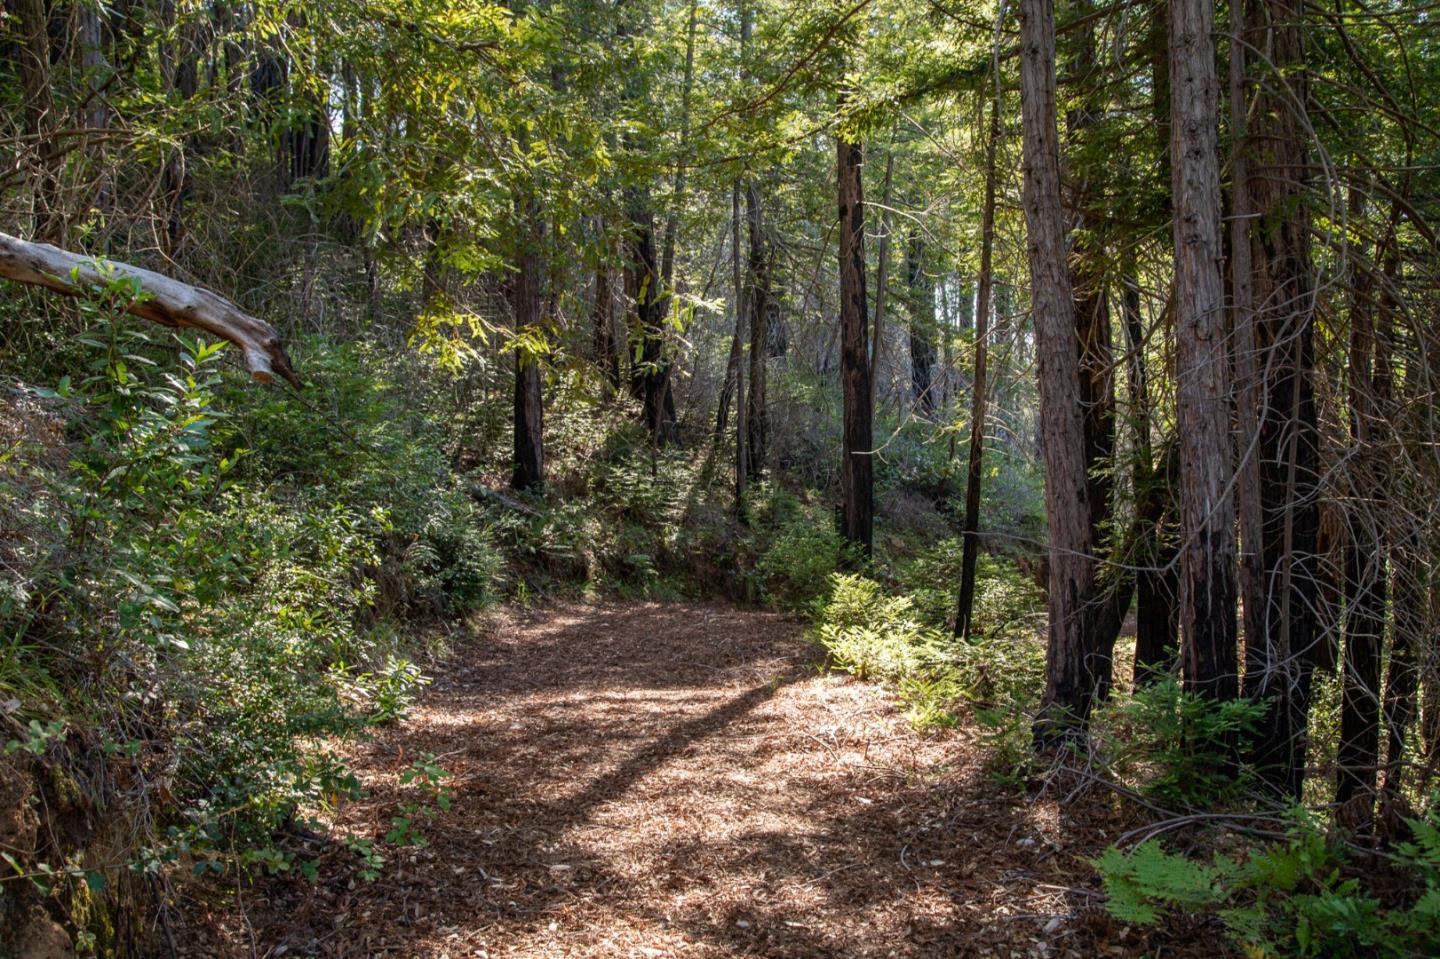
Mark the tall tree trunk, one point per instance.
(1207, 557)
(882, 279)
(922, 326)
(755, 298)
(1071, 682)
(1248, 387)
(856, 464)
(1280, 659)
(970, 550)
(644, 282)
(1367, 521)
(602, 319)
(39, 120)
(672, 222)
(1157, 583)
(737, 353)
(757, 305)
(525, 306)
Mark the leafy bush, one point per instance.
(1291, 898)
(211, 578)
(1183, 745)
(803, 551)
(1007, 603)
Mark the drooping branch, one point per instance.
(165, 301)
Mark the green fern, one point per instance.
(1145, 884)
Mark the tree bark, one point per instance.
(164, 300)
(1207, 558)
(922, 327)
(39, 119)
(970, 550)
(525, 306)
(1280, 659)
(1071, 681)
(856, 465)
(882, 279)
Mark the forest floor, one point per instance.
(683, 780)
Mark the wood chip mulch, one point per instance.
(643, 779)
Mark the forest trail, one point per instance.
(681, 780)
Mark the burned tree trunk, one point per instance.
(525, 308)
(856, 465)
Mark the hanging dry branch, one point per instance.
(166, 301)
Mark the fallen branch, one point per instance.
(509, 502)
(165, 301)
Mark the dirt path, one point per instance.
(681, 780)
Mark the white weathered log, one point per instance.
(165, 301)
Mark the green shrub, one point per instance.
(1291, 898)
(1007, 603)
(1182, 745)
(803, 551)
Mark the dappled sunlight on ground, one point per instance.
(655, 780)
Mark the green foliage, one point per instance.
(873, 634)
(1147, 875)
(219, 574)
(1292, 898)
(802, 551)
(1182, 745)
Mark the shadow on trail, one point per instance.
(679, 780)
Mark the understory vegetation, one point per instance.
(209, 590)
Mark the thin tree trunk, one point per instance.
(970, 551)
(607, 351)
(525, 305)
(882, 279)
(1367, 540)
(1207, 557)
(1071, 682)
(856, 465)
(922, 327)
(39, 119)
(757, 305)
(737, 354)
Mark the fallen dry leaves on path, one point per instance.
(682, 780)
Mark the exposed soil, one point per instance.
(683, 780)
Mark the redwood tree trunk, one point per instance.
(1207, 587)
(1071, 680)
(1279, 661)
(856, 465)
